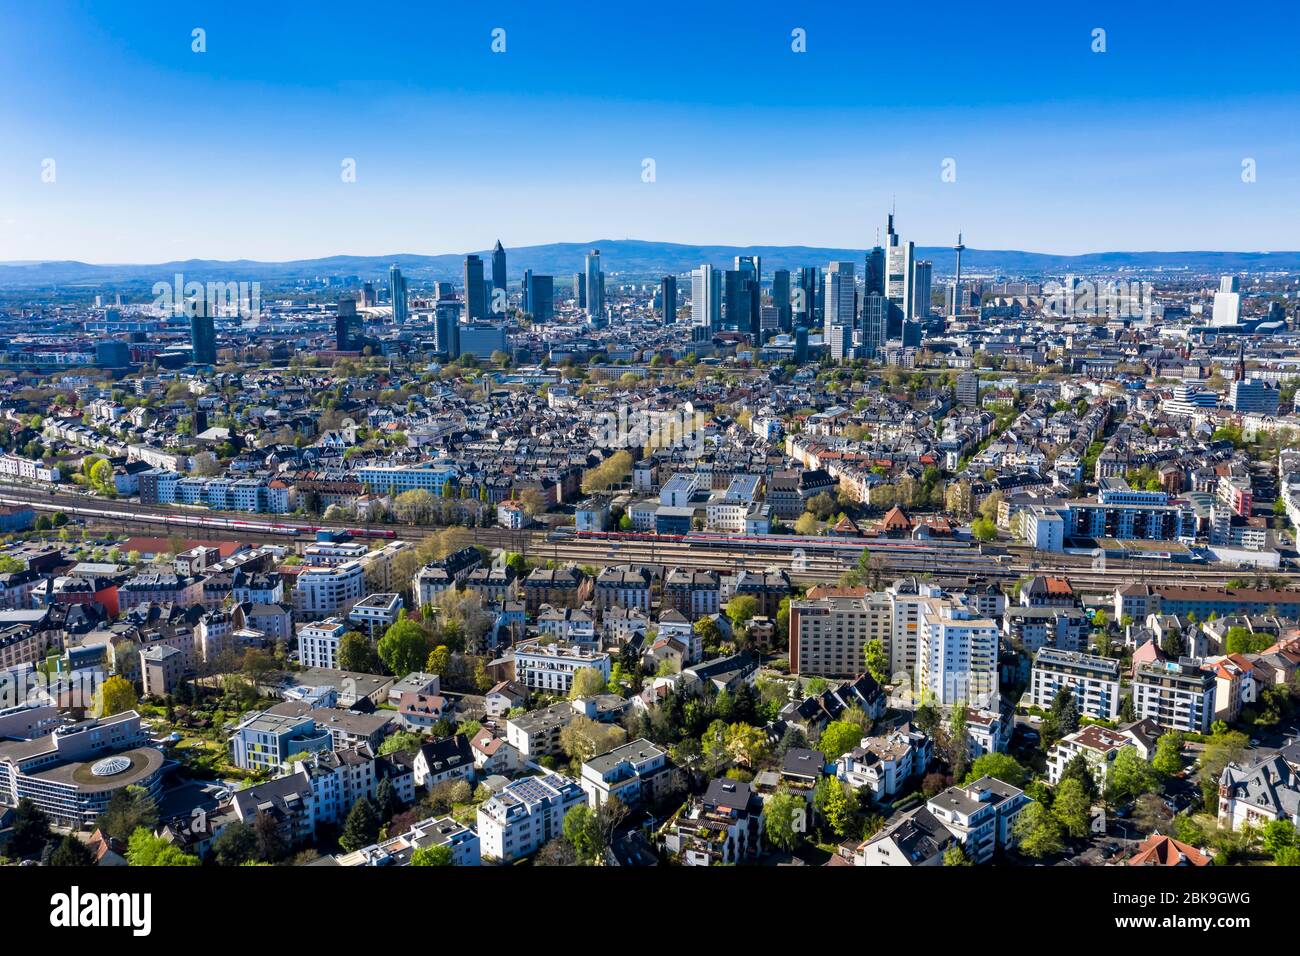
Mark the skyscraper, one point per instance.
(804, 305)
(900, 264)
(781, 299)
(499, 267)
(540, 292)
(875, 323)
(840, 303)
(956, 282)
(706, 298)
(475, 292)
(595, 287)
(921, 288)
(1227, 302)
(525, 303)
(347, 326)
(740, 295)
(203, 334)
(875, 275)
(446, 317)
(397, 294)
(839, 341)
(668, 298)
(750, 297)
(911, 334)
(579, 290)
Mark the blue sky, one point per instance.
(161, 153)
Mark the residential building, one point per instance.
(525, 815)
(981, 815)
(549, 664)
(725, 825)
(632, 772)
(1094, 682)
(1178, 695)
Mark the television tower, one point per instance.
(956, 285)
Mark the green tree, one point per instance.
(840, 808)
(1129, 777)
(1278, 835)
(30, 829)
(145, 849)
(431, 856)
(1168, 758)
(839, 738)
(1038, 832)
(956, 856)
(746, 745)
(439, 659)
(1287, 856)
(582, 832)
(707, 630)
(128, 810)
(1079, 769)
(1223, 747)
(72, 852)
(1239, 640)
(355, 653)
(877, 660)
(783, 819)
(587, 681)
(387, 802)
(101, 477)
(404, 647)
(115, 696)
(742, 609)
(1065, 711)
(1071, 807)
(1002, 767)
(235, 845)
(361, 827)
(402, 740)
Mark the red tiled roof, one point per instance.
(1161, 850)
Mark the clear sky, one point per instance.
(162, 153)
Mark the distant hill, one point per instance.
(633, 259)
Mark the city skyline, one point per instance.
(154, 145)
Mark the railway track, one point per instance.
(809, 561)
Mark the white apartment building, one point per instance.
(327, 554)
(376, 612)
(550, 665)
(525, 815)
(1094, 682)
(435, 831)
(906, 609)
(957, 655)
(536, 733)
(1098, 745)
(322, 591)
(628, 772)
(981, 815)
(881, 766)
(318, 643)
